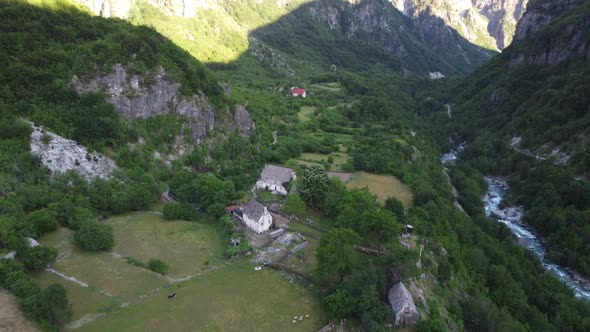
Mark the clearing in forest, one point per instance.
(340, 159)
(234, 297)
(383, 186)
(331, 86)
(305, 113)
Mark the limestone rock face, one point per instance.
(487, 23)
(539, 14)
(380, 22)
(569, 41)
(122, 8)
(140, 97)
(109, 8)
(242, 120)
(61, 155)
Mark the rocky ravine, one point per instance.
(140, 97)
(61, 155)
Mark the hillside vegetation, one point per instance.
(527, 114)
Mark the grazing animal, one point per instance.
(172, 296)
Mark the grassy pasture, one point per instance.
(340, 158)
(187, 247)
(338, 138)
(332, 86)
(83, 300)
(306, 113)
(383, 186)
(231, 298)
(214, 300)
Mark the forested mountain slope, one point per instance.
(333, 31)
(527, 114)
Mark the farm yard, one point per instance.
(106, 292)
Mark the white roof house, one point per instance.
(274, 178)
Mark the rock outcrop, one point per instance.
(378, 21)
(554, 47)
(487, 23)
(143, 96)
(109, 8)
(539, 14)
(61, 155)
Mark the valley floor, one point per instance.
(107, 293)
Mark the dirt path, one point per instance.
(449, 113)
(11, 317)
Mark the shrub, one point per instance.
(135, 261)
(42, 221)
(38, 257)
(94, 236)
(54, 302)
(175, 210)
(157, 266)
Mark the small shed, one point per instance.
(402, 304)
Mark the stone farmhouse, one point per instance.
(275, 178)
(254, 215)
(402, 304)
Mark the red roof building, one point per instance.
(296, 92)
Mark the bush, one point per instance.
(157, 266)
(42, 221)
(94, 236)
(38, 257)
(135, 261)
(54, 302)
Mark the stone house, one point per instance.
(402, 304)
(274, 179)
(256, 217)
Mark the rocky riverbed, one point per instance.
(512, 217)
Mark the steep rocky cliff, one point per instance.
(567, 36)
(143, 96)
(488, 23)
(377, 21)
